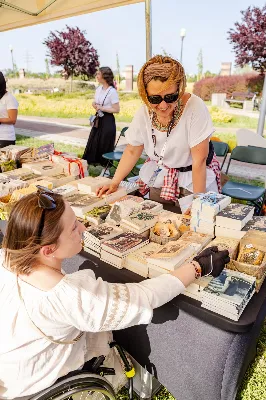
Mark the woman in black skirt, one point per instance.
(103, 132)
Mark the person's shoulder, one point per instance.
(9, 97)
(196, 101)
(143, 112)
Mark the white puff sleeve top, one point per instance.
(79, 302)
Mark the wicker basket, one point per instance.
(162, 239)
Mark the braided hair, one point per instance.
(165, 69)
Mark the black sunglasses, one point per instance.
(46, 202)
(168, 98)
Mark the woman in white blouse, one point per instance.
(174, 129)
(54, 323)
(8, 114)
(103, 132)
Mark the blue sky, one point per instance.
(122, 30)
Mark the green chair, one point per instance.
(114, 155)
(252, 194)
(221, 150)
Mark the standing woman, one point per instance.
(174, 128)
(8, 114)
(103, 132)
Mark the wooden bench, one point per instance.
(248, 100)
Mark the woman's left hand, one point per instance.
(97, 107)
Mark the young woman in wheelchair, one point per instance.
(54, 323)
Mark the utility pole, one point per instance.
(12, 57)
(28, 59)
(148, 29)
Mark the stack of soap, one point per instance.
(90, 184)
(137, 199)
(137, 260)
(201, 239)
(256, 223)
(204, 209)
(114, 251)
(129, 187)
(47, 168)
(232, 220)
(229, 293)
(139, 221)
(195, 289)
(18, 194)
(8, 185)
(151, 207)
(82, 203)
(170, 256)
(122, 209)
(98, 214)
(94, 237)
(66, 190)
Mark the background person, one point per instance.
(103, 133)
(8, 114)
(174, 128)
(53, 323)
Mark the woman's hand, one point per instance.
(94, 105)
(212, 261)
(107, 189)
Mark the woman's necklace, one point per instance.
(176, 117)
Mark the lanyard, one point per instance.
(161, 156)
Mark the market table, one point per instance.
(195, 353)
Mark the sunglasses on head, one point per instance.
(46, 202)
(168, 98)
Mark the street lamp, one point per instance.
(11, 51)
(182, 35)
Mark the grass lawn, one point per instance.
(78, 105)
(254, 384)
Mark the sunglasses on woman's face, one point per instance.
(168, 98)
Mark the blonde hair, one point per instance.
(165, 69)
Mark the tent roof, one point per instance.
(12, 17)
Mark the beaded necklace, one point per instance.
(176, 117)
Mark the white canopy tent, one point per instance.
(20, 13)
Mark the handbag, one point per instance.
(94, 119)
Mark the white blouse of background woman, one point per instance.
(194, 126)
(7, 102)
(111, 98)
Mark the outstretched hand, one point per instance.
(212, 261)
(107, 189)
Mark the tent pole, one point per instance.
(262, 115)
(148, 29)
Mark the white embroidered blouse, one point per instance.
(29, 362)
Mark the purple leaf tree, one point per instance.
(249, 39)
(71, 50)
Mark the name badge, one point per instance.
(154, 176)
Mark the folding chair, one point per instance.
(252, 194)
(114, 155)
(221, 150)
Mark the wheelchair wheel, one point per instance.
(79, 387)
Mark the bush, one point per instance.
(228, 84)
(220, 116)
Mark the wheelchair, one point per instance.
(83, 386)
